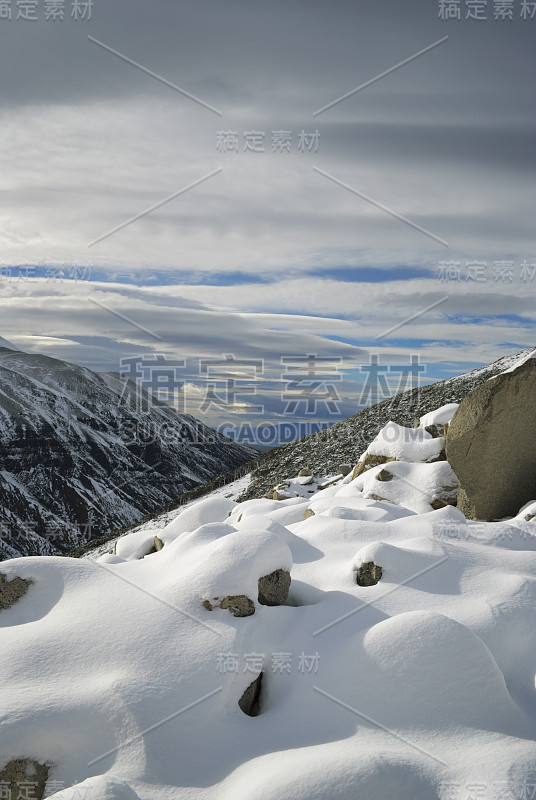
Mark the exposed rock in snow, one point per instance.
(23, 778)
(368, 574)
(249, 703)
(238, 605)
(273, 588)
(12, 590)
(491, 444)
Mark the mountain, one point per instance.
(324, 451)
(345, 441)
(82, 454)
(357, 640)
(5, 344)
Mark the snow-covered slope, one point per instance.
(80, 454)
(346, 440)
(122, 674)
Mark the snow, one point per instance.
(519, 361)
(441, 416)
(414, 486)
(117, 675)
(405, 444)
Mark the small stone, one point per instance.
(448, 497)
(24, 772)
(238, 605)
(384, 475)
(280, 496)
(12, 590)
(304, 472)
(368, 574)
(308, 513)
(273, 588)
(436, 431)
(528, 517)
(344, 469)
(249, 703)
(368, 462)
(158, 543)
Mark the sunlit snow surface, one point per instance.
(416, 688)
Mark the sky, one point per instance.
(254, 208)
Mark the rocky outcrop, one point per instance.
(273, 588)
(12, 590)
(491, 445)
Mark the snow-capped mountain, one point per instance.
(82, 454)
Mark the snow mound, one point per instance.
(405, 444)
(441, 416)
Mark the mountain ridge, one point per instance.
(82, 454)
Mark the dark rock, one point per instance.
(23, 777)
(368, 574)
(491, 445)
(12, 590)
(249, 703)
(304, 472)
(273, 588)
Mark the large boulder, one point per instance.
(491, 445)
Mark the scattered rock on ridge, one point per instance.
(491, 445)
